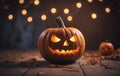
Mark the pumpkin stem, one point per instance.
(60, 22)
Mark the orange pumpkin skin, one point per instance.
(58, 52)
(106, 48)
(61, 45)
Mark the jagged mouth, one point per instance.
(64, 52)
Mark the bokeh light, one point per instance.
(29, 19)
(69, 18)
(36, 2)
(90, 1)
(66, 10)
(101, 0)
(21, 1)
(10, 16)
(24, 12)
(93, 15)
(43, 17)
(107, 10)
(78, 4)
(53, 10)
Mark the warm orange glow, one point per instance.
(53, 10)
(24, 12)
(21, 1)
(78, 4)
(10, 16)
(55, 38)
(66, 10)
(107, 10)
(43, 17)
(69, 18)
(74, 38)
(94, 15)
(36, 2)
(65, 43)
(29, 19)
(100, 0)
(64, 52)
(90, 1)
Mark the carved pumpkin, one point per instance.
(61, 45)
(106, 48)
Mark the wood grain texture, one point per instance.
(43, 68)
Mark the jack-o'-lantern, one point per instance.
(106, 48)
(61, 45)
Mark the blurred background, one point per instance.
(22, 21)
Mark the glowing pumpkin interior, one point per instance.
(62, 51)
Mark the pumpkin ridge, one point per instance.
(69, 42)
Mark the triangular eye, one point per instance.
(55, 39)
(74, 38)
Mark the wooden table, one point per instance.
(30, 63)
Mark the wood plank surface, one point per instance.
(17, 63)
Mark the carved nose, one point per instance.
(65, 43)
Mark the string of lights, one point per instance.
(23, 19)
(53, 10)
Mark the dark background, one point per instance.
(19, 34)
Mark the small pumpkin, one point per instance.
(61, 45)
(106, 48)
